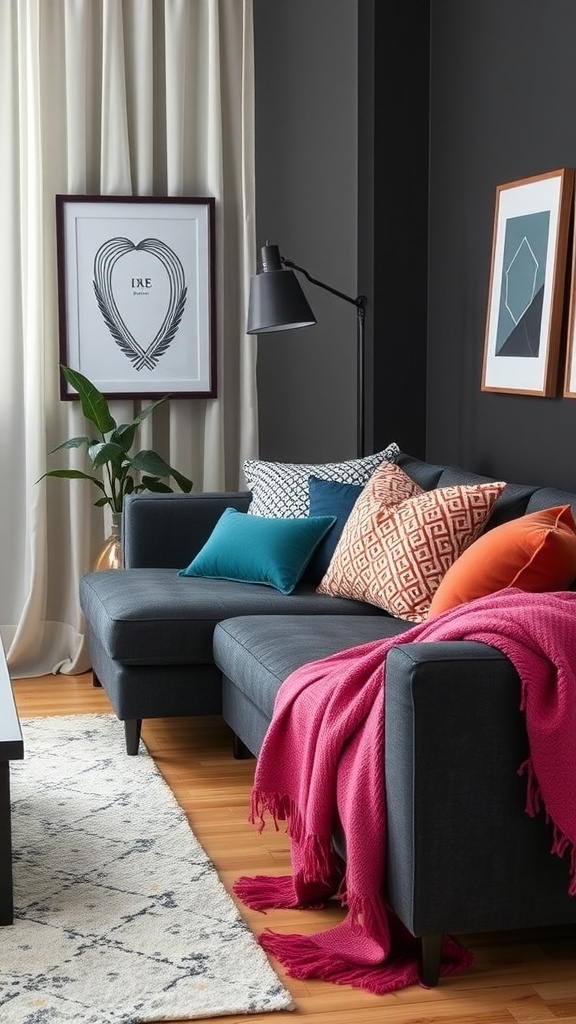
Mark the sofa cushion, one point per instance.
(550, 497)
(425, 474)
(395, 554)
(259, 549)
(155, 617)
(329, 498)
(281, 488)
(536, 552)
(257, 656)
(511, 503)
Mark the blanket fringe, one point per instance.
(533, 794)
(264, 892)
(318, 860)
(303, 958)
(367, 916)
(280, 808)
(534, 804)
(572, 886)
(560, 845)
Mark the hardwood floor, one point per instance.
(528, 977)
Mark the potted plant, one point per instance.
(109, 452)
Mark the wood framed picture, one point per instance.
(528, 284)
(137, 295)
(570, 367)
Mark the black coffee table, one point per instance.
(11, 749)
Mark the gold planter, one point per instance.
(110, 554)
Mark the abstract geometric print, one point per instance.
(522, 285)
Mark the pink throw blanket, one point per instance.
(323, 754)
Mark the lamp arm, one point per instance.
(359, 301)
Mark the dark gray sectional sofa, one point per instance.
(462, 854)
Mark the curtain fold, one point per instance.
(111, 97)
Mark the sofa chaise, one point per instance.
(462, 855)
(150, 630)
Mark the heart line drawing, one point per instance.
(104, 262)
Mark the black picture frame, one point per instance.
(136, 294)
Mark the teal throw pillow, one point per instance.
(258, 549)
(329, 498)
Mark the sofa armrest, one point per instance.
(167, 530)
(463, 855)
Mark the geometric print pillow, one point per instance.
(403, 550)
(351, 564)
(280, 489)
(350, 569)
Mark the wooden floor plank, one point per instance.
(519, 977)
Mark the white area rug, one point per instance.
(120, 916)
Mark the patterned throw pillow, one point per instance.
(281, 488)
(395, 549)
(350, 567)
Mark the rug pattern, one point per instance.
(120, 916)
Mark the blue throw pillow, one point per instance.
(258, 549)
(329, 498)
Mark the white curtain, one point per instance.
(110, 97)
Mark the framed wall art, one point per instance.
(136, 294)
(527, 284)
(570, 367)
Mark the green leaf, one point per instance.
(94, 406)
(152, 483)
(110, 452)
(150, 408)
(183, 482)
(104, 451)
(74, 442)
(150, 462)
(72, 474)
(124, 436)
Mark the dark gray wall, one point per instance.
(382, 131)
(341, 187)
(503, 96)
(306, 181)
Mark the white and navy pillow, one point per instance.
(280, 489)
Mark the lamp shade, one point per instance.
(276, 301)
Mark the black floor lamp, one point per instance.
(277, 303)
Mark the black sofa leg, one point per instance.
(132, 729)
(430, 950)
(95, 680)
(241, 751)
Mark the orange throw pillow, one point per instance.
(394, 554)
(536, 552)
